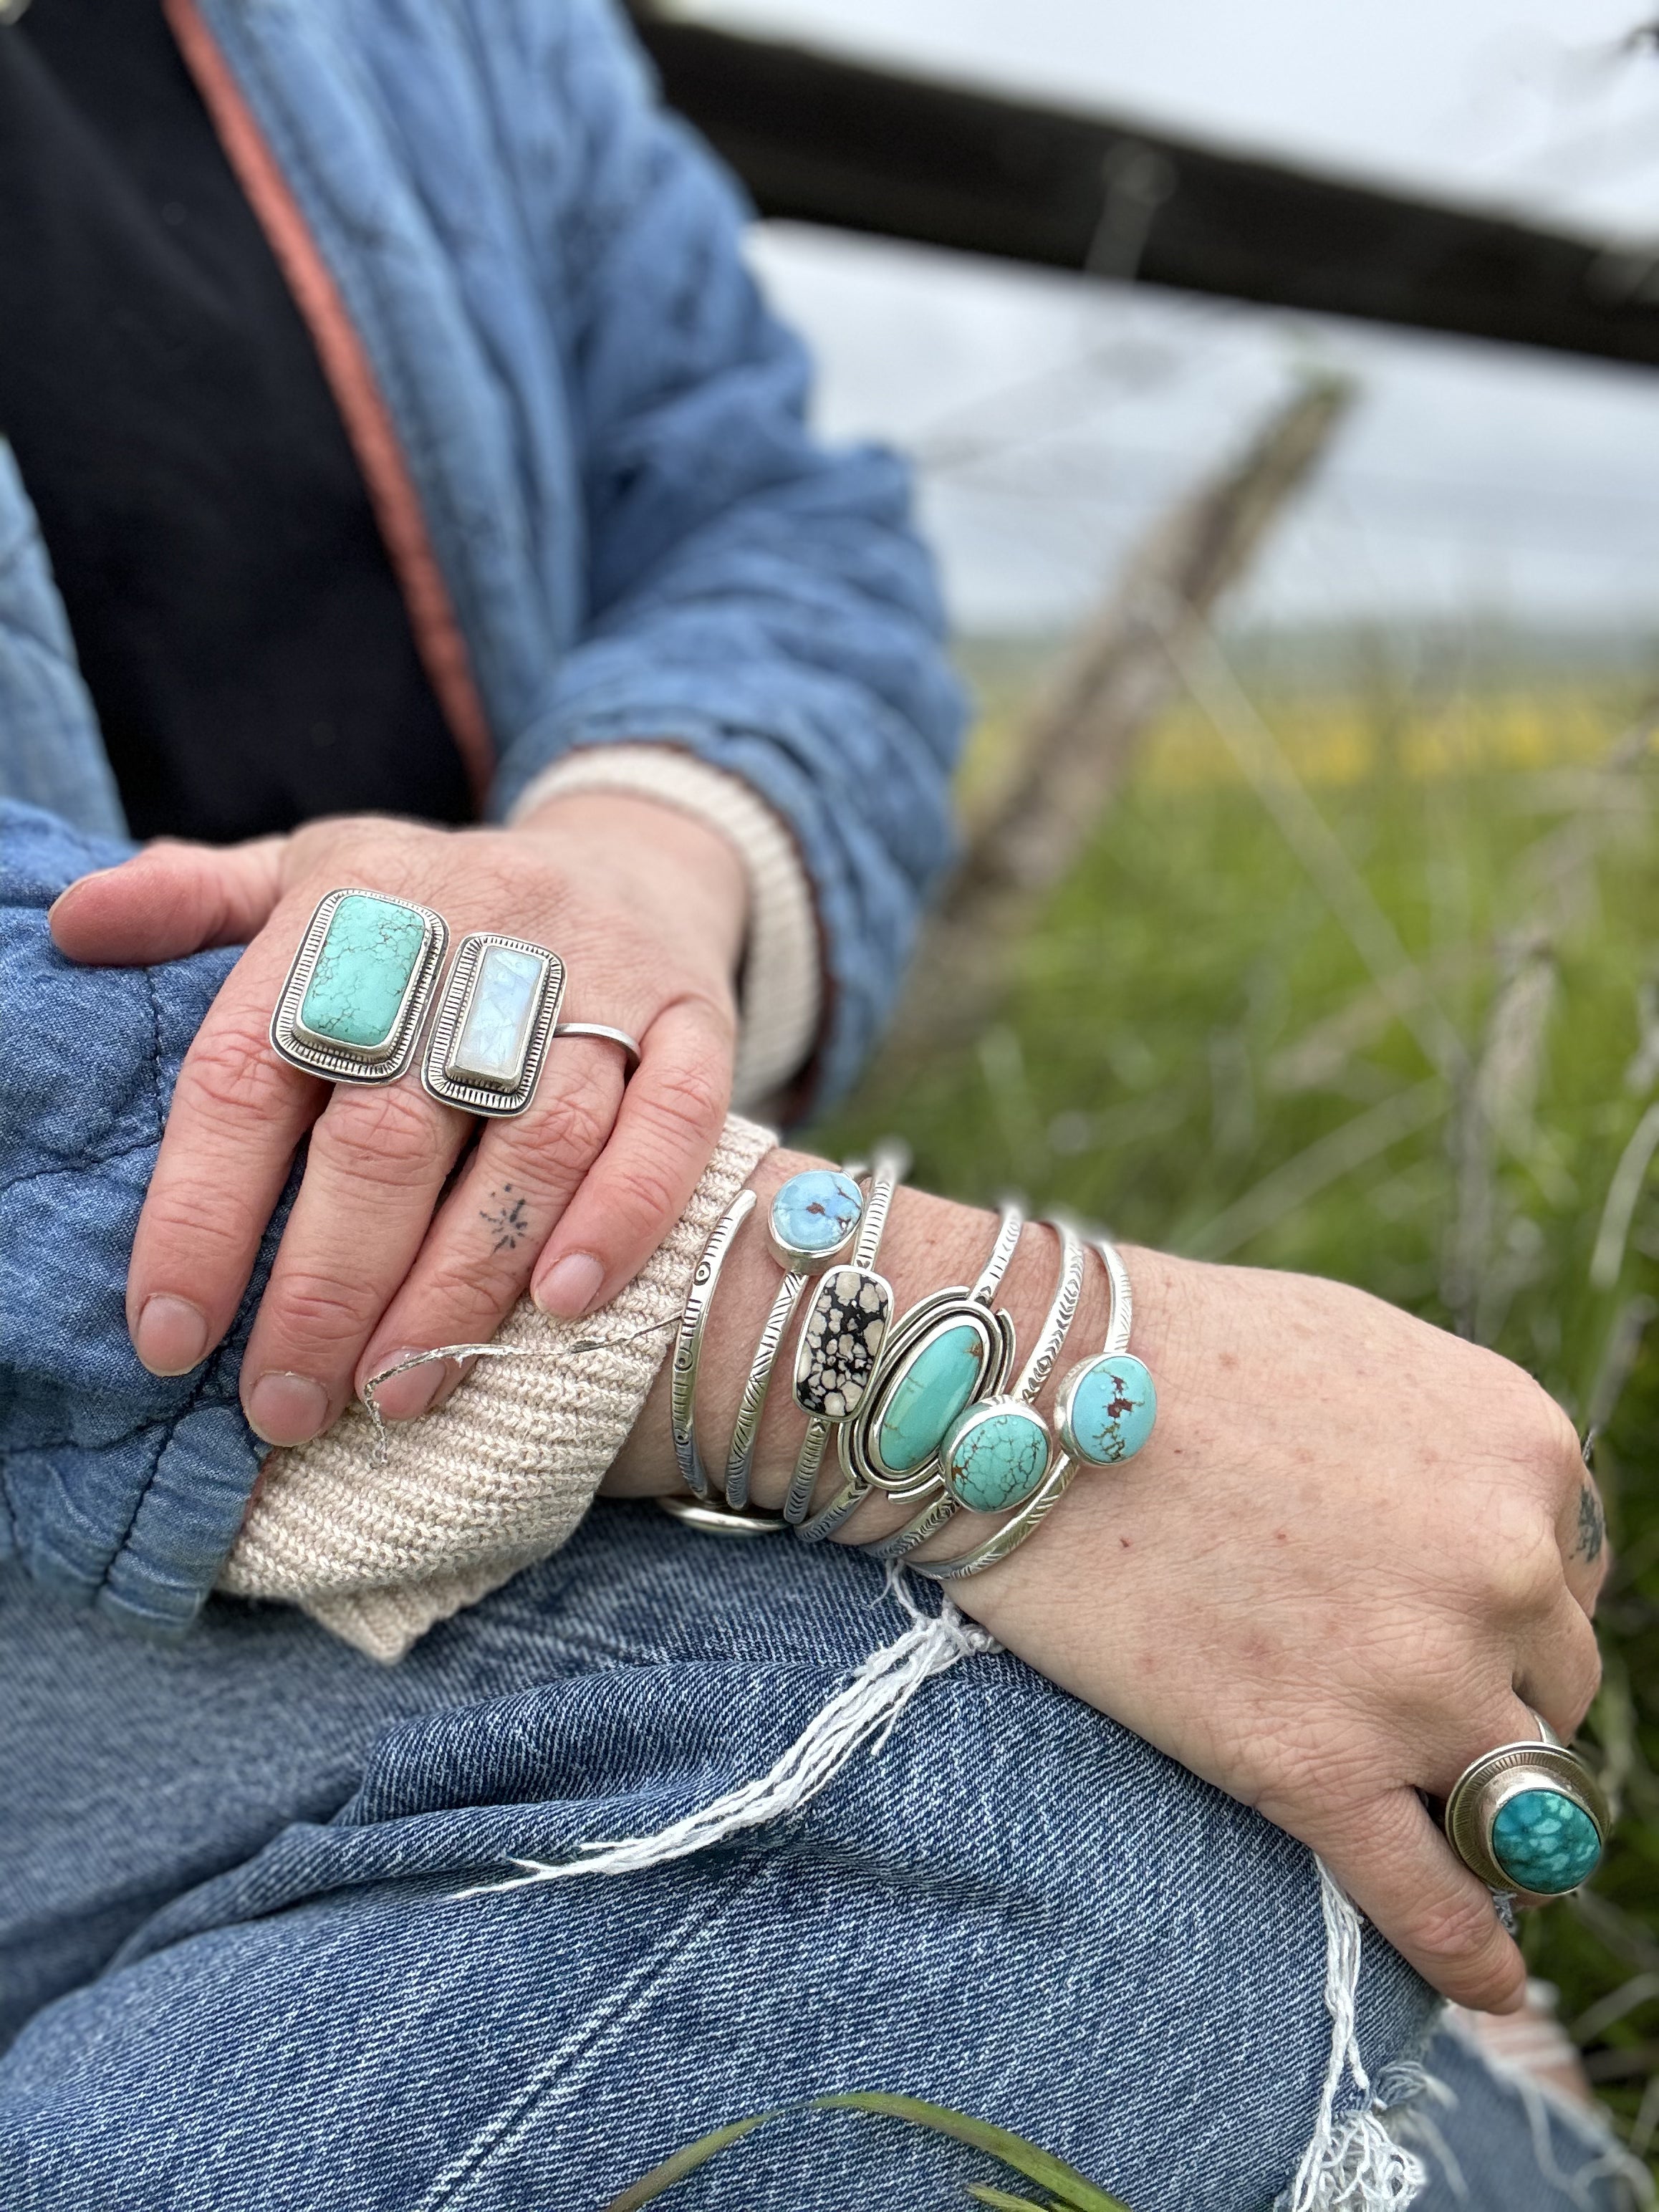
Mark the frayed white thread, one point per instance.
(1352, 2165)
(1541, 2101)
(865, 1712)
(370, 1397)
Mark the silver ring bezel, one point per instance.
(481, 1098)
(1487, 1786)
(326, 1056)
(910, 1337)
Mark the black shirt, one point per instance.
(236, 616)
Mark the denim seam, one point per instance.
(79, 1165)
(170, 1430)
(695, 1931)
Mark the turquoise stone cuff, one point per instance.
(1528, 1818)
(356, 995)
(490, 1035)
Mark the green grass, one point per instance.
(1196, 1053)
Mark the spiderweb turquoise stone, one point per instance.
(1544, 1843)
(356, 990)
(995, 1457)
(815, 1212)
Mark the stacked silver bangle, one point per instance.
(923, 1408)
(820, 1224)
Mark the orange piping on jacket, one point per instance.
(346, 365)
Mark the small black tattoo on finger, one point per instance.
(1592, 1527)
(510, 1221)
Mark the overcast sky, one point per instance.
(1052, 416)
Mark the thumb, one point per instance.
(169, 900)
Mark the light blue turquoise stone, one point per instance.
(994, 1461)
(816, 1211)
(507, 991)
(371, 950)
(1544, 1843)
(924, 1403)
(1112, 1407)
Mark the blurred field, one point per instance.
(1370, 987)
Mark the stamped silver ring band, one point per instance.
(1529, 1818)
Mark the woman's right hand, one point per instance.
(1353, 1553)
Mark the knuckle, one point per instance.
(234, 1073)
(1520, 1573)
(1460, 1931)
(386, 1136)
(321, 1308)
(570, 1130)
(643, 1194)
(689, 1100)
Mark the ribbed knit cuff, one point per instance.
(782, 989)
(378, 1549)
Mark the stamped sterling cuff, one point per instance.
(356, 997)
(494, 1020)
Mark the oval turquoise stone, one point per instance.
(927, 1397)
(996, 1459)
(367, 958)
(816, 1211)
(1544, 1843)
(1111, 1409)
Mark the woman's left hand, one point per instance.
(647, 909)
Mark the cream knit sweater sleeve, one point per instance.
(379, 1545)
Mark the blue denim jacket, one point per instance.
(603, 427)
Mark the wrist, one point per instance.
(636, 834)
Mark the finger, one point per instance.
(673, 1113)
(237, 1116)
(1582, 1532)
(1405, 1877)
(1561, 1669)
(477, 1260)
(377, 1161)
(168, 901)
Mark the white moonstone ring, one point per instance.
(494, 1022)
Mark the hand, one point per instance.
(647, 909)
(1354, 1552)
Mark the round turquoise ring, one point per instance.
(1528, 1818)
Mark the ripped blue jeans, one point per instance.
(240, 1972)
(237, 1969)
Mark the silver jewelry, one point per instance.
(1101, 1403)
(710, 1518)
(687, 1345)
(357, 993)
(1108, 1405)
(1000, 1451)
(951, 1328)
(489, 1038)
(604, 1030)
(1529, 1818)
(843, 1335)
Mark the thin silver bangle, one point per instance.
(687, 1345)
(1022, 1524)
(856, 1485)
(1051, 1342)
(886, 1173)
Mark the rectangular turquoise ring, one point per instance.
(489, 1034)
(356, 995)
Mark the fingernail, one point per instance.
(406, 1397)
(286, 1409)
(172, 1334)
(569, 1290)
